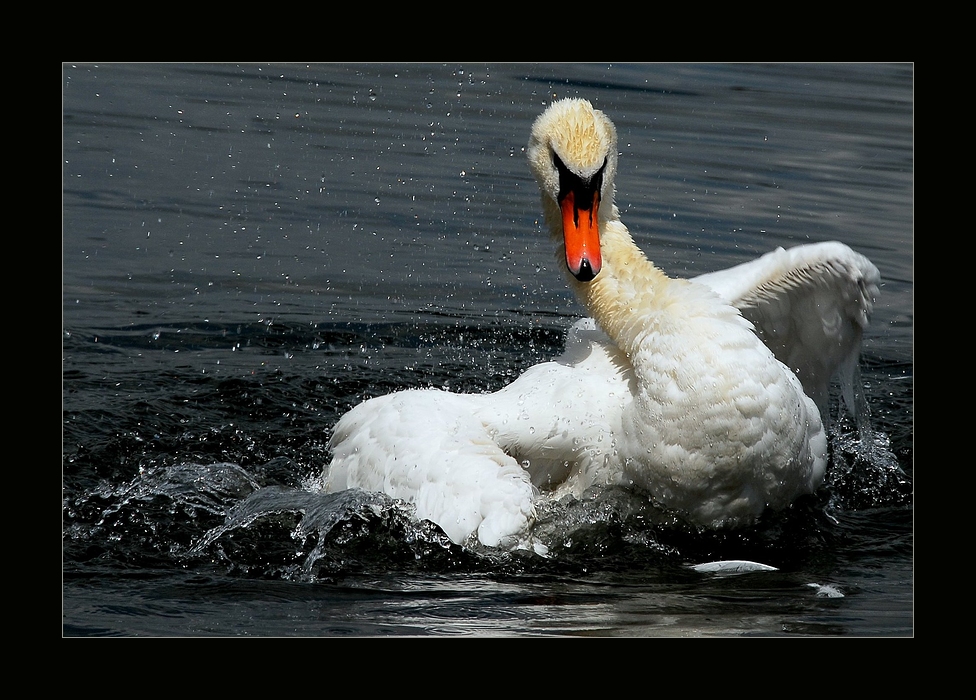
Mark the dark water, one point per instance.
(250, 250)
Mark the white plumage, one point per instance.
(703, 393)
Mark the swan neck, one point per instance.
(624, 295)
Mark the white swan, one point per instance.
(667, 387)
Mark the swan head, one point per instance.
(573, 154)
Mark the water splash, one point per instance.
(331, 530)
(864, 471)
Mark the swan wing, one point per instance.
(473, 463)
(427, 448)
(810, 305)
(558, 418)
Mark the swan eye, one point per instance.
(568, 181)
(597, 180)
(559, 166)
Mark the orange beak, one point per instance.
(581, 236)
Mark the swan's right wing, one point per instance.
(810, 305)
(427, 448)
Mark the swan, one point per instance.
(706, 394)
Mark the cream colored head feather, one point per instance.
(582, 137)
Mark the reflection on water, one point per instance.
(251, 250)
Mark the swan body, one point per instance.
(703, 393)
